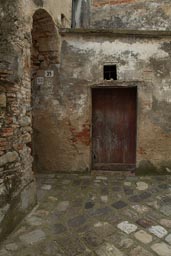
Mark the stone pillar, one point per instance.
(17, 184)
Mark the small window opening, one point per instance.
(110, 72)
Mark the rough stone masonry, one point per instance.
(17, 182)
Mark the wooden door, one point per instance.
(114, 128)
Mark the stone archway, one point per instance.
(44, 69)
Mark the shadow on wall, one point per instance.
(44, 60)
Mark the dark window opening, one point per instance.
(110, 72)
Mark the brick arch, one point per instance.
(44, 58)
(45, 39)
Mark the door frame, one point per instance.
(114, 85)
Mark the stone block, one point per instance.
(140, 251)
(127, 227)
(8, 158)
(11, 247)
(25, 121)
(3, 100)
(161, 249)
(143, 237)
(62, 206)
(33, 237)
(166, 223)
(108, 250)
(142, 185)
(158, 231)
(168, 239)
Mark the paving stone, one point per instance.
(76, 182)
(104, 228)
(166, 200)
(139, 251)
(127, 183)
(100, 211)
(116, 189)
(140, 208)
(131, 214)
(154, 216)
(162, 249)
(62, 206)
(85, 183)
(41, 213)
(128, 191)
(135, 199)
(4, 252)
(49, 248)
(145, 223)
(153, 190)
(92, 239)
(166, 210)
(119, 205)
(101, 178)
(46, 187)
(71, 245)
(59, 228)
(121, 240)
(77, 221)
(125, 243)
(144, 195)
(33, 237)
(100, 224)
(127, 227)
(104, 198)
(143, 237)
(52, 198)
(132, 178)
(89, 205)
(166, 223)
(66, 182)
(141, 185)
(104, 191)
(163, 186)
(34, 221)
(108, 250)
(154, 204)
(168, 239)
(86, 253)
(11, 247)
(158, 231)
(77, 203)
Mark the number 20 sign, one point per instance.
(49, 73)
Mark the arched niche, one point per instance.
(44, 73)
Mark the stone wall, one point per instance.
(131, 14)
(142, 60)
(17, 184)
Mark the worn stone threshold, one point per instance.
(112, 173)
(116, 32)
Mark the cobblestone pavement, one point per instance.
(96, 215)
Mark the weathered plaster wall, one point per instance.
(17, 185)
(81, 14)
(54, 7)
(131, 14)
(138, 59)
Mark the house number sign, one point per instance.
(40, 80)
(49, 73)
